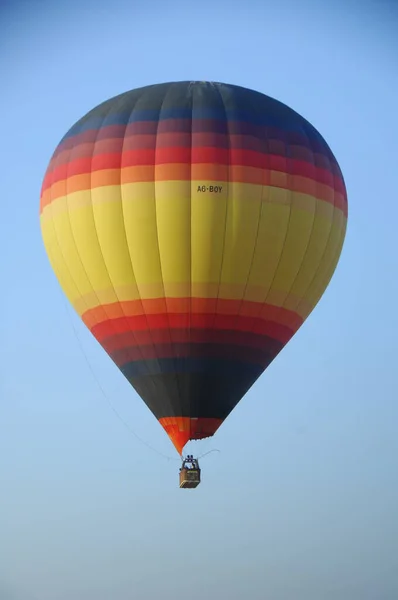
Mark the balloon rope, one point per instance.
(105, 395)
(209, 452)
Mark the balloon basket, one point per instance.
(189, 473)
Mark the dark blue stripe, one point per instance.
(297, 125)
(218, 367)
(124, 118)
(235, 109)
(283, 133)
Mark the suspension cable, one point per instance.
(104, 394)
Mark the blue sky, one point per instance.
(300, 503)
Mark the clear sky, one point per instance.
(301, 502)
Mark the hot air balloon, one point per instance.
(193, 226)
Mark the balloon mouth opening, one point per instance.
(181, 430)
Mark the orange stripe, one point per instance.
(183, 172)
(182, 429)
(158, 306)
(190, 156)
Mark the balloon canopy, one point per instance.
(193, 226)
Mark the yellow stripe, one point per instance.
(110, 241)
(208, 228)
(142, 236)
(133, 192)
(320, 235)
(327, 266)
(73, 252)
(147, 240)
(60, 269)
(173, 218)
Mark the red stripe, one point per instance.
(222, 306)
(144, 157)
(116, 144)
(197, 321)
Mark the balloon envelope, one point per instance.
(193, 226)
